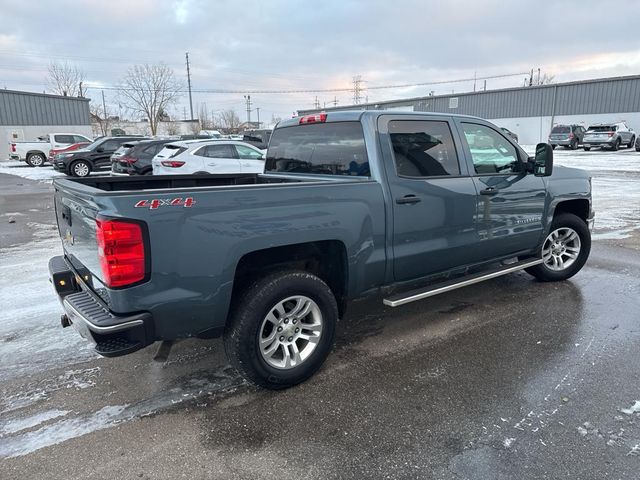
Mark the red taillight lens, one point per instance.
(128, 160)
(172, 163)
(51, 153)
(610, 134)
(318, 118)
(571, 135)
(121, 252)
(13, 148)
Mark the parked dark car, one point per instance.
(95, 157)
(257, 138)
(136, 159)
(638, 144)
(510, 134)
(569, 136)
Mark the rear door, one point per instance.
(221, 159)
(61, 141)
(510, 202)
(434, 199)
(102, 155)
(251, 160)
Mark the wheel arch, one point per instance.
(579, 207)
(327, 259)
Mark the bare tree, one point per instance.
(100, 117)
(229, 120)
(547, 79)
(65, 79)
(149, 90)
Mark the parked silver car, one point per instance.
(609, 135)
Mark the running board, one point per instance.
(447, 286)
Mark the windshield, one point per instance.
(561, 129)
(602, 128)
(323, 148)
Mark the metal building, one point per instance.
(532, 111)
(27, 115)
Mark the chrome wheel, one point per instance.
(36, 160)
(290, 332)
(561, 249)
(81, 169)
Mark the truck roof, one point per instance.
(357, 115)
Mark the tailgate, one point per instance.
(76, 214)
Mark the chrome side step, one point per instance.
(447, 286)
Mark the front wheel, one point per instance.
(586, 149)
(281, 329)
(80, 168)
(565, 250)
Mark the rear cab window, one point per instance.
(332, 148)
(561, 129)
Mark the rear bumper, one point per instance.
(112, 334)
(598, 143)
(13, 156)
(565, 143)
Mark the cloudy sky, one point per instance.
(300, 45)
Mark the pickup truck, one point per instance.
(402, 205)
(37, 153)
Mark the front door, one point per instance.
(434, 199)
(221, 158)
(510, 200)
(102, 156)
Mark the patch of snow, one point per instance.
(44, 174)
(508, 442)
(635, 408)
(17, 425)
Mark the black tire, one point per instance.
(35, 159)
(632, 142)
(542, 272)
(616, 145)
(242, 332)
(574, 145)
(553, 147)
(637, 149)
(586, 149)
(76, 168)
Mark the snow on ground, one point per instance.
(31, 338)
(21, 169)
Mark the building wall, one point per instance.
(178, 127)
(27, 108)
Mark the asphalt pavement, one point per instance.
(507, 379)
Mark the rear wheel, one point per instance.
(35, 159)
(281, 329)
(574, 144)
(80, 168)
(616, 144)
(632, 142)
(553, 147)
(565, 250)
(586, 149)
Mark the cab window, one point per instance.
(490, 151)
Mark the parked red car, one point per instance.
(75, 146)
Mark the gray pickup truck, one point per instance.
(404, 205)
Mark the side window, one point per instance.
(423, 148)
(248, 153)
(63, 138)
(79, 139)
(110, 145)
(490, 151)
(153, 149)
(219, 151)
(201, 152)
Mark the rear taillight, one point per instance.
(318, 118)
(610, 134)
(51, 153)
(172, 163)
(121, 252)
(13, 148)
(571, 135)
(128, 160)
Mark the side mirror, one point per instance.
(543, 161)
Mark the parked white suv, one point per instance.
(208, 156)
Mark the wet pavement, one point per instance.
(507, 379)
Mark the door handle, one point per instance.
(408, 199)
(211, 164)
(489, 191)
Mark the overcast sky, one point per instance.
(266, 45)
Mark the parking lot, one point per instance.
(506, 379)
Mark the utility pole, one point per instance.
(104, 109)
(538, 76)
(80, 90)
(184, 113)
(474, 81)
(531, 78)
(485, 86)
(189, 84)
(248, 100)
(316, 103)
(357, 89)
(258, 111)
(335, 100)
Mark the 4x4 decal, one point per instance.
(173, 202)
